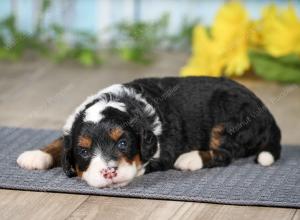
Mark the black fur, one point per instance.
(188, 108)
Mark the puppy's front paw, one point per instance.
(35, 160)
(189, 161)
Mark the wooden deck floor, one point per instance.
(40, 94)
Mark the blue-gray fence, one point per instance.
(96, 16)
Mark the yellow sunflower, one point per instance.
(205, 56)
(225, 52)
(280, 31)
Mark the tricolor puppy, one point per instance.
(154, 124)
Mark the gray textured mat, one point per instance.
(242, 183)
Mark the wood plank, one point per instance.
(96, 207)
(37, 205)
(124, 208)
(193, 210)
(297, 215)
(189, 211)
(226, 212)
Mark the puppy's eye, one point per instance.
(84, 152)
(122, 145)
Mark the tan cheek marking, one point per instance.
(136, 159)
(124, 159)
(79, 173)
(216, 135)
(116, 133)
(85, 141)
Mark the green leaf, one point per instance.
(137, 41)
(284, 69)
(45, 5)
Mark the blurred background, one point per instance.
(53, 53)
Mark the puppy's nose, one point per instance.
(109, 173)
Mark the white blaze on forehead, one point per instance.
(93, 113)
(116, 88)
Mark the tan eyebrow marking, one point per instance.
(116, 133)
(85, 141)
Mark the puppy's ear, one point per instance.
(67, 160)
(148, 145)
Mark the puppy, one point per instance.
(127, 130)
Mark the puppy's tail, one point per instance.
(270, 151)
(42, 159)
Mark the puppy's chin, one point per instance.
(125, 174)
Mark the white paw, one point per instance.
(140, 172)
(265, 158)
(189, 161)
(35, 160)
